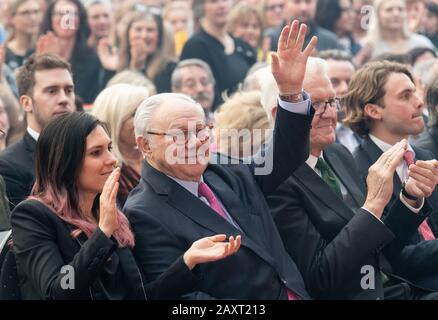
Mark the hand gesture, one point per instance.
(138, 54)
(423, 178)
(108, 55)
(48, 44)
(210, 249)
(289, 63)
(380, 178)
(108, 216)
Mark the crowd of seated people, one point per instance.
(153, 147)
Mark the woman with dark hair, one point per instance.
(70, 239)
(430, 22)
(338, 17)
(65, 32)
(229, 58)
(148, 47)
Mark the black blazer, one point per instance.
(17, 166)
(428, 140)
(167, 218)
(330, 238)
(418, 259)
(43, 245)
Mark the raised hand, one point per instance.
(48, 44)
(108, 55)
(108, 215)
(380, 178)
(289, 62)
(138, 54)
(211, 249)
(423, 178)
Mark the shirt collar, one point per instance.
(190, 186)
(386, 146)
(311, 161)
(35, 135)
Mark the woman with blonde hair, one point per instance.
(148, 47)
(389, 31)
(241, 125)
(24, 18)
(116, 105)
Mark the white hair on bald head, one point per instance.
(315, 66)
(146, 111)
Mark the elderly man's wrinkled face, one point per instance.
(179, 140)
(323, 132)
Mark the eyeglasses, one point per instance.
(273, 7)
(182, 137)
(321, 106)
(28, 13)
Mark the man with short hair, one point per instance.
(340, 71)
(331, 224)
(194, 78)
(181, 195)
(383, 107)
(100, 20)
(46, 90)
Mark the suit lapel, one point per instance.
(374, 153)
(343, 174)
(312, 182)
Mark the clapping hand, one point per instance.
(423, 178)
(108, 215)
(211, 249)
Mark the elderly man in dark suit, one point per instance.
(45, 85)
(181, 197)
(383, 106)
(330, 225)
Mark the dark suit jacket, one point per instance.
(17, 166)
(167, 219)
(428, 140)
(43, 245)
(418, 259)
(330, 238)
(5, 223)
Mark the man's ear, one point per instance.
(373, 111)
(143, 146)
(26, 103)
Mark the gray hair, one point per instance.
(315, 66)
(144, 115)
(177, 74)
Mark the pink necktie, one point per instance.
(424, 228)
(205, 191)
(291, 295)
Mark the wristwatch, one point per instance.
(293, 97)
(407, 195)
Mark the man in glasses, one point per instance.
(330, 224)
(181, 195)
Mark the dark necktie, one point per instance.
(424, 228)
(328, 176)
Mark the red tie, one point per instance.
(205, 191)
(424, 228)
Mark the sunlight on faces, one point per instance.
(401, 113)
(183, 161)
(323, 131)
(65, 19)
(98, 163)
(178, 19)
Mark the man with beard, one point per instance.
(194, 78)
(45, 87)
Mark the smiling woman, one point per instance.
(71, 222)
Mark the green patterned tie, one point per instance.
(328, 176)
